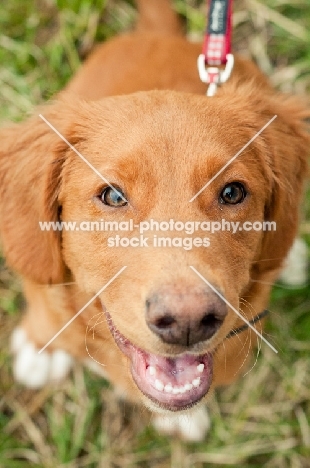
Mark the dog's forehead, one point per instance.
(163, 116)
(159, 127)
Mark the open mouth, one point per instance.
(173, 383)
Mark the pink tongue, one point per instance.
(173, 383)
(177, 371)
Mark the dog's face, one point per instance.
(158, 150)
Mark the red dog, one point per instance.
(162, 334)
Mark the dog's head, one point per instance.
(171, 309)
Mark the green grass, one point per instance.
(262, 420)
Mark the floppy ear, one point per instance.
(31, 158)
(288, 141)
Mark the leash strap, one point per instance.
(217, 43)
(216, 50)
(244, 327)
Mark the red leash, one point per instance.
(216, 51)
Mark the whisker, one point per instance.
(259, 347)
(91, 329)
(56, 284)
(280, 285)
(246, 355)
(249, 338)
(268, 259)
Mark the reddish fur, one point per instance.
(38, 173)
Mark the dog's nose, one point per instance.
(185, 319)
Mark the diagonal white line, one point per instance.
(81, 310)
(233, 308)
(233, 158)
(81, 156)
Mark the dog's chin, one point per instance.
(171, 383)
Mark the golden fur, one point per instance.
(162, 143)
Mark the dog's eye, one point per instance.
(113, 197)
(233, 193)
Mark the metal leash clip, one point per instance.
(213, 75)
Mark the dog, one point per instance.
(137, 139)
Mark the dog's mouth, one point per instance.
(172, 383)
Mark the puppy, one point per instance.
(137, 140)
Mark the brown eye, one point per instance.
(113, 197)
(232, 194)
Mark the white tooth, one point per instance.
(175, 391)
(152, 370)
(159, 385)
(168, 388)
(196, 382)
(182, 389)
(200, 367)
(188, 386)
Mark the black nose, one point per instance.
(185, 319)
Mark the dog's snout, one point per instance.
(185, 319)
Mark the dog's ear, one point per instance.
(31, 158)
(288, 144)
